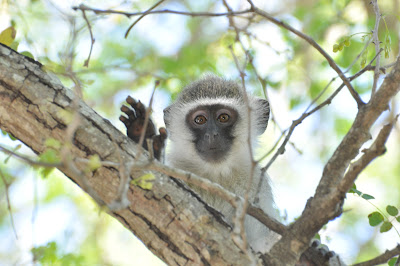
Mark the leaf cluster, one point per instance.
(49, 254)
(378, 217)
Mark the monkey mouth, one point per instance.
(212, 154)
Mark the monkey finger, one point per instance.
(315, 243)
(128, 111)
(125, 120)
(158, 146)
(130, 100)
(331, 254)
(137, 106)
(163, 133)
(140, 109)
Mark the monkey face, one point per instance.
(212, 128)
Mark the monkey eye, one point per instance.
(223, 118)
(200, 119)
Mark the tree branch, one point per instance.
(308, 39)
(177, 226)
(327, 201)
(381, 258)
(164, 11)
(376, 41)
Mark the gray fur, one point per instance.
(233, 171)
(210, 87)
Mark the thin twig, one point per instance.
(6, 186)
(383, 258)
(377, 45)
(142, 16)
(298, 121)
(86, 64)
(311, 41)
(121, 201)
(30, 161)
(241, 212)
(359, 55)
(146, 120)
(164, 11)
(255, 10)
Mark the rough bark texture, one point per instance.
(169, 219)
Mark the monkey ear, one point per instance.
(262, 114)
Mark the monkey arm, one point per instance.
(134, 123)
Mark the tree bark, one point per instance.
(170, 220)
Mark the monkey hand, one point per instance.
(318, 254)
(134, 123)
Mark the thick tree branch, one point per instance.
(377, 149)
(178, 227)
(326, 203)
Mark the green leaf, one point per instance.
(392, 261)
(294, 102)
(363, 62)
(367, 196)
(5, 133)
(27, 54)
(355, 191)
(49, 156)
(386, 226)
(90, 82)
(49, 254)
(7, 36)
(46, 171)
(375, 218)
(14, 45)
(392, 210)
(335, 48)
(53, 143)
(45, 254)
(94, 162)
(66, 115)
(144, 181)
(342, 125)
(398, 218)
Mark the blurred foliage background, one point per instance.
(54, 222)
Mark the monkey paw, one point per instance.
(134, 123)
(318, 254)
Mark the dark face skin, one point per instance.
(212, 126)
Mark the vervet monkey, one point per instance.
(208, 126)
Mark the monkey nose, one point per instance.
(211, 138)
